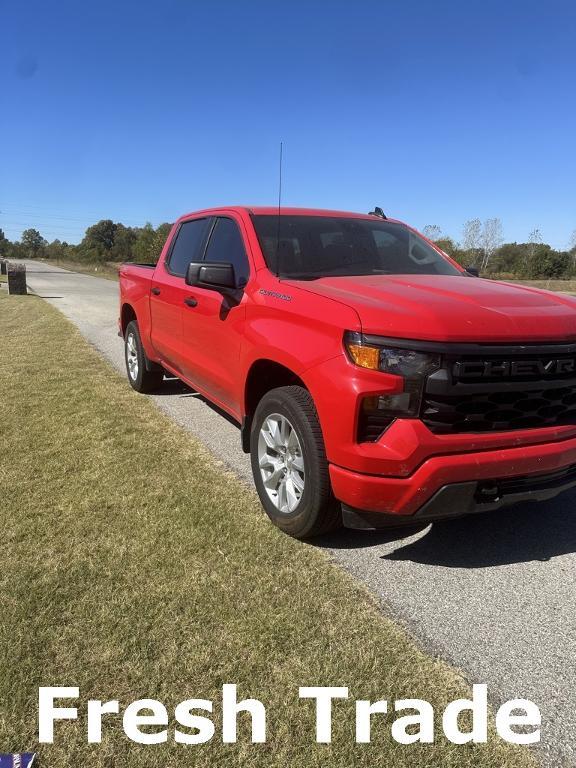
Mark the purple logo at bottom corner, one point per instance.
(17, 760)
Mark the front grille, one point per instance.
(500, 411)
(500, 390)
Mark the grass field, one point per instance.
(566, 286)
(106, 270)
(134, 566)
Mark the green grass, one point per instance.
(566, 286)
(550, 284)
(134, 566)
(108, 270)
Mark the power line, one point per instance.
(27, 214)
(5, 211)
(16, 222)
(57, 213)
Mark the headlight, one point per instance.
(378, 411)
(407, 363)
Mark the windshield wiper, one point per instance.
(301, 276)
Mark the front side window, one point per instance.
(307, 247)
(226, 246)
(187, 247)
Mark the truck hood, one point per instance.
(452, 308)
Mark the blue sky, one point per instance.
(437, 111)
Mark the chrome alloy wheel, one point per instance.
(132, 356)
(281, 462)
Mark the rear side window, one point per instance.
(187, 247)
(226, 246)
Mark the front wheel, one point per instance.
(140, 378)
(289, 464)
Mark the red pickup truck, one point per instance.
(373, 379)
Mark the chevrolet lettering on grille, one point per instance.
(510, 369)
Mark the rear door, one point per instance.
(212, 328)
(168, 290)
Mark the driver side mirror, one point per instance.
(217, 275)
(473, 271)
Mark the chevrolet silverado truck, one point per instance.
(374, 380)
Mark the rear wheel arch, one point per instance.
(127, 314)
(143, 376)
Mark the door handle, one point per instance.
(191, 301)
(155, 291)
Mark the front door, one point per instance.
(168, 291)
(213, 323)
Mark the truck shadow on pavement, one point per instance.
(173, 387)
(522, 533)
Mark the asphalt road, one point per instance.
(493, 595)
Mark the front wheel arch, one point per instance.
(263, 376)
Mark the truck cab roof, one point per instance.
(270, 210)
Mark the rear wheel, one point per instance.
(289, 464)
(140, 378)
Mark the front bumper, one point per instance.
(339, 387)
(457, 484)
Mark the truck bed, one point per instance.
(135, 282)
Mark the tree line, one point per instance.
(482, 245)
(105, 241)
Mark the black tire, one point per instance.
(144, 380)
(317, 511)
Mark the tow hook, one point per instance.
(487, 493)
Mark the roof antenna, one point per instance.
(377, 212)
(278, 270)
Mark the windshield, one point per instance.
(307, 247)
